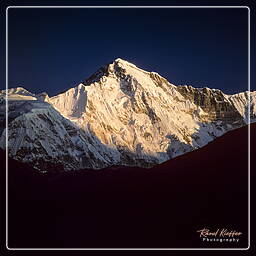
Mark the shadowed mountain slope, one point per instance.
(133, 207)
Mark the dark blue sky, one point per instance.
(54, 49)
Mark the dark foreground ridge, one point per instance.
(133, 207)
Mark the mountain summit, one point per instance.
(118, 68)
(121, 115)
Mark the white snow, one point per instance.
(130, 116)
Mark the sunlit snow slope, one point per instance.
(121, 115)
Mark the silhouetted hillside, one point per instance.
(134, 207)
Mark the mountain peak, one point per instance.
(17, 90)
(123, 63)
(119, 60)
(121, 115)
(116, 67)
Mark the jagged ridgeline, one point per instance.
(121, 115)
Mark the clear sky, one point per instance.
(54, 49)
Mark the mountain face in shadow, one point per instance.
(133, 207)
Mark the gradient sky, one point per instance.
(54, 49)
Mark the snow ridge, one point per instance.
(121, 115)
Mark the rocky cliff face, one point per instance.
(214, 102)
(123, 115)
(245, 103)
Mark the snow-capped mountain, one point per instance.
(121, 115)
